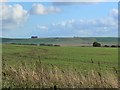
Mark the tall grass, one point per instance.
(42, 76)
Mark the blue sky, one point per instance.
(48, 19)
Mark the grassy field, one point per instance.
(64, 66)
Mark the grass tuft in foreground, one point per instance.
(45, 77)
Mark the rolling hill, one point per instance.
(62, 41)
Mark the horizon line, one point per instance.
(60, 37)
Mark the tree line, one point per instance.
(96, 44)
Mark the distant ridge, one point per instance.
(62, 40)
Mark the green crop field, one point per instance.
(63, 66)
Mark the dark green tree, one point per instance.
(96, 44)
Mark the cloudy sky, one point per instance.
(48, 19)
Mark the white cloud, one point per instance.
(86, 0)
(63, 0)
(85, 27)
(87, 24)
(3, 0)
(12, 16)
(42, 27)
(114, 13)
(40, 9)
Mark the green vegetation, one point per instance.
(75, 40)
(65, 66)
(96, 44)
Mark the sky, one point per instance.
(50, 19)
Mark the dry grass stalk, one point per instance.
(42, 77)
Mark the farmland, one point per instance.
(64, 66)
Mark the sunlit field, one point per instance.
(59, 66)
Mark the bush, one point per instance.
(49, 44)
(42, 44)
(113, 46)
(106, 46)
(57, 45)
(96, 44)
